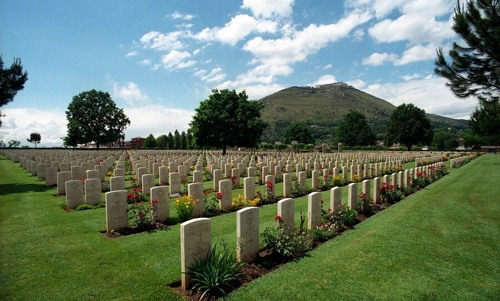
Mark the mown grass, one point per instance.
(440, 243)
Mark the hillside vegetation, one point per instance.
(322, 108)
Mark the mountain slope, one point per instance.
(322, 107)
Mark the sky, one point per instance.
(159, 59)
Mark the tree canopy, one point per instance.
(35, 138)
(408, 125)
(475, 67)
(298, 132)
(11, 81)
(485, 123)
(354, 130)
(444, 140)
(227, 118)
(150, 142)
(93, 117)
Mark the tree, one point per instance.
(35, 138)
(475, 67)
(485, 123)
(14, 143)
(298, 132)
(150, 142)
(444, 140)
(408, 125)
(93, 117)
(184, 143)
(11, 81)
(227, 118)
(355, 130)
(162, 142)
(177, 140)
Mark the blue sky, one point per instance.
(159, 59)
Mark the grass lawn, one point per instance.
(440, 243)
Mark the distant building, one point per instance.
(136, 142)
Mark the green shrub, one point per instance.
(217, 274)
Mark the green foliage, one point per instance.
(13, 143)
(215, 275)
(473, 70)
(365, 205)
(141, 214)
(281, 244)
(93, 117)
(150, 142)
(162, 142)
(298, 132)
(390, 194)
(408, 125)
(345, 216)
(184, 206)
(485, 123)
(227, 118)
(354, 130)
(11, 81)
(35, 138)
(444, 140)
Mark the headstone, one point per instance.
(314, 210)
(225, 187)
(196, 191)
(148, 181)
(247, 234)
(277, 173)
(76, 173)
(140, 172)
(74, 193)
(175, 182)
(249, 188)
(302, 180)
(40, 170)
(235, 175)
(197, 176)
(251, 171)
(163, 175)
(335, 199)
(287, 185)
(116, 210)
(93, 174)
(196, 243)
(50, 176)
(217, 177)
(160, 194)
(376, 190)
(365, 187)
(352, 196)
(286, 210)
(119, 172)
(93, 191)
(62, 178)
(117, 183)
(315, 179)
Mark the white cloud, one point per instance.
(377, 59)
(429, 94)
(269, 9)
(178, 15)
(216, 75)
(159, 41)
(19, 123)
(130, 92)
(236, 30)
(131, 53)
(157, 120)
(177, 60)
(327, 66)
(325, 79)
(357, 83)
(411, 76)
(417, 53)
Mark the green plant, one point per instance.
(345, 216)
(217, 274)
(212, 203)
(389, 194)
(141, 214)
(184, 206)
(283, 245)
(365, 205)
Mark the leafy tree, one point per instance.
(93, 117)
(14, 143)
(177, 140)
(408, 125)
(162, 141)
(471, 140)
(227, 118)
(355, 130)
(485, 123)
(11, 81)
(35, 138)
(189, 139)
(170, 140)
(150, 142)
(475, 67)
(183, 140)
(444, 140)
(298, 132)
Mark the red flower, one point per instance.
(277, 218)
(141, 214)
(269, 185)
(219, 195)
(154, 202)
(132, 180)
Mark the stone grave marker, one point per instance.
(247, 234)
(74, 193)
(196, 243)
(116, 210)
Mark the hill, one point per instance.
(323, 106)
